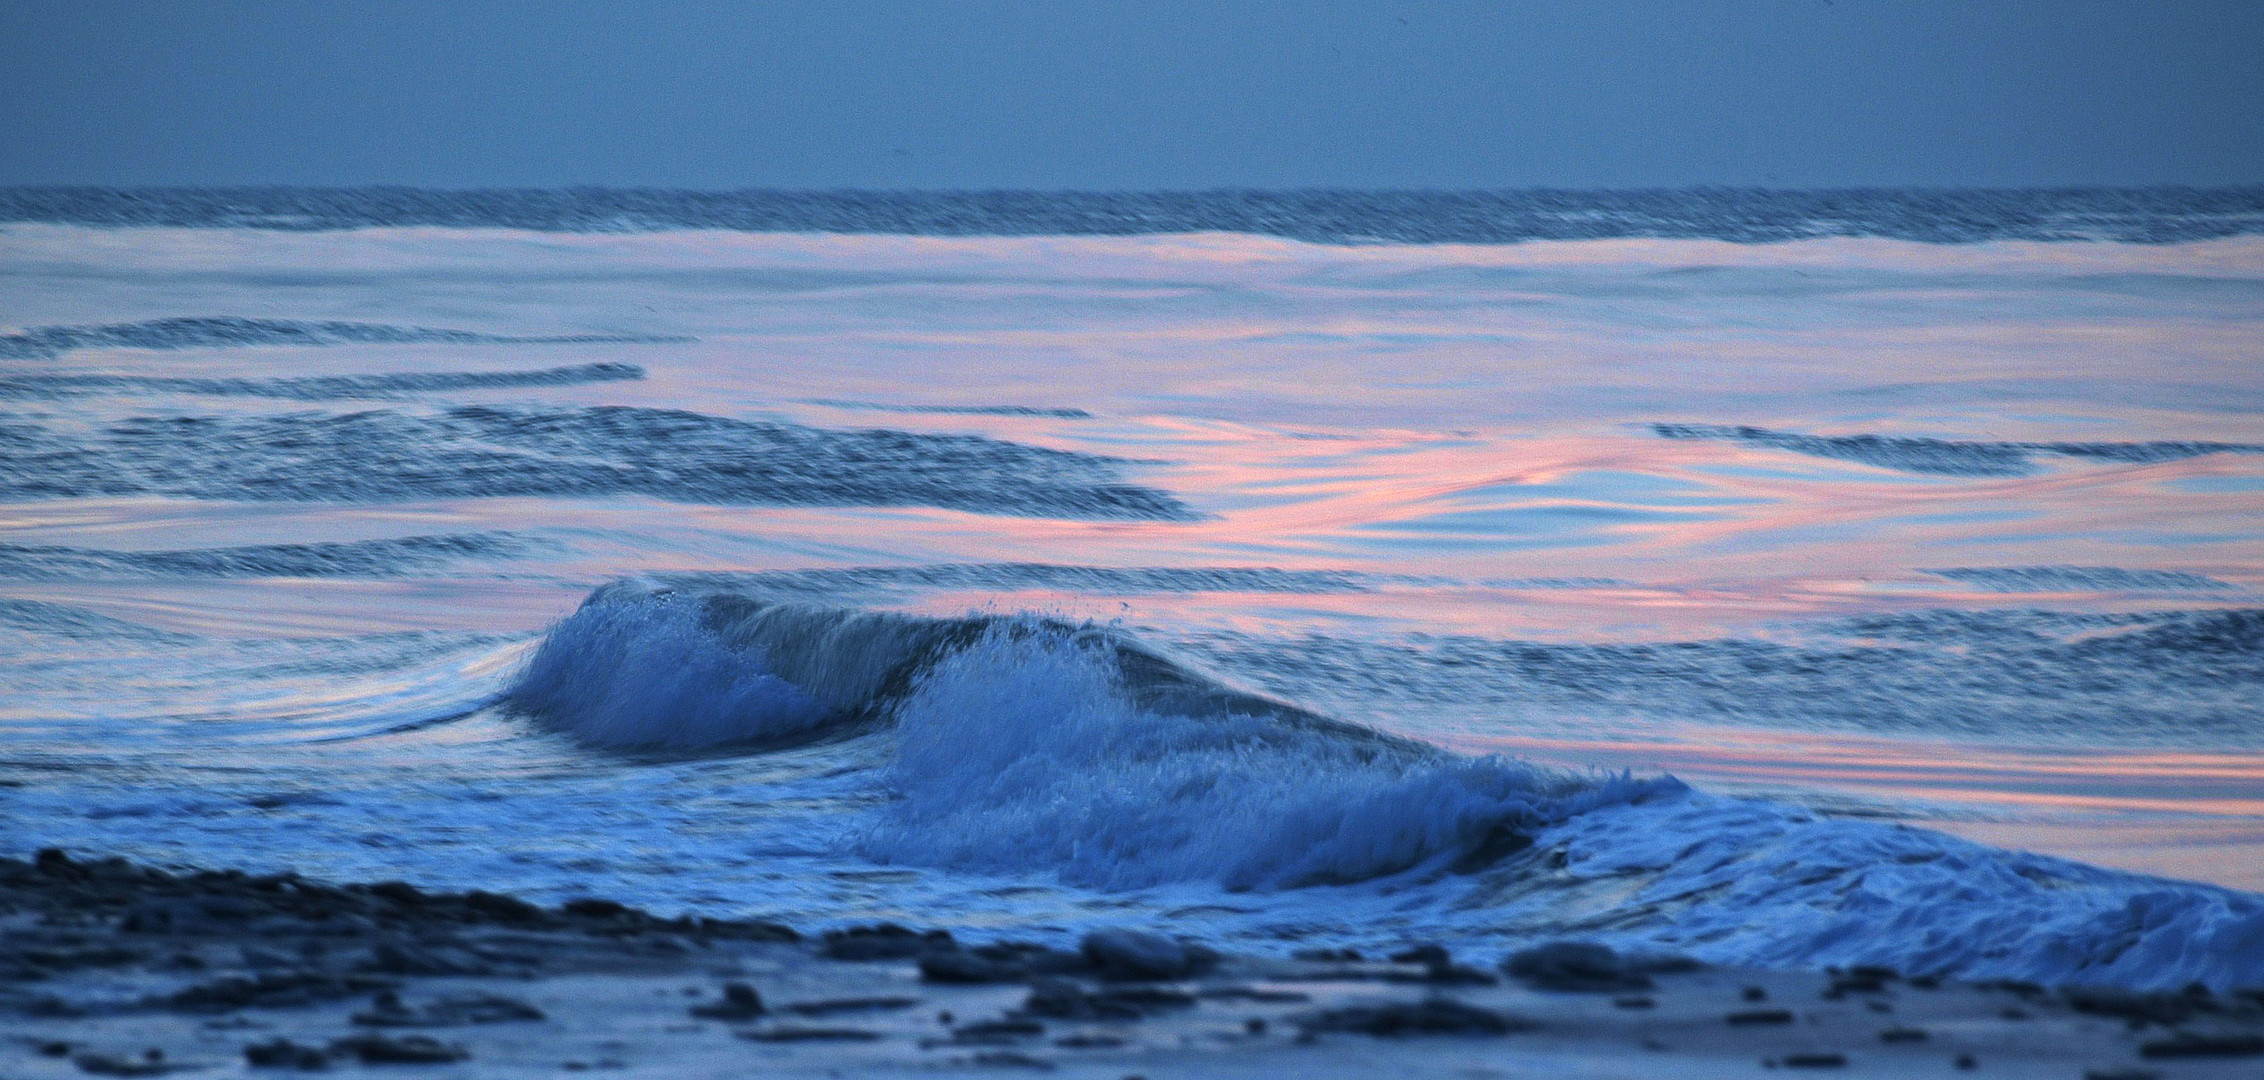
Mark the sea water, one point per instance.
(1780, 578)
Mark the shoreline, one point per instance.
(218, 972)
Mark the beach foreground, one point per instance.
(113, 968)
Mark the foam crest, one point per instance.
(1027, 751)
(649, 673)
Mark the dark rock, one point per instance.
(1008, 1059)
(1431, 1016)
(1753, 993)
(407, 958)
(996, 1032)
(1062, 999)
(1090, 1042)
(1575, 967)
(1246, 993)
(840, 1005)
(1902, 1035)
(284, 1054)
(2156, 1008)
(2132, 1073)
(1639, 1001)
(1757, 1017)
(1004, 962)
(151, 1063)
(882, 941)
(596, 908)
(740, 1002)
(504, 909)
(2189, 1044)
(786, 1033)
(399, 892)
(1965, 1061)
(399, 1049)
(1137, 954)
(452, 1011)
(54, 1049)
(268, 990)
(1327, 956)
(1422, 954)
(1815, 1061)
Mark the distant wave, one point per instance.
(313, 387)
(955, 410)
(225, 331)
(2027, 579)
(472, 451)
(836, 583)
(1950, 457)
(2133, 215)
(2177, 678)
(347, 559)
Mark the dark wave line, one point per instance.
(954, 410)
(223, 331)
(477, 452)
(2024, 579)
(1950, 457)
(346, 559)
(314, 388)
(1746, 215)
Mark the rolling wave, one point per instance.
(313, 387)
(227, 331)
(2174, 678)
(1950, 457)
(1024, 745)
(472, 451)
(343, 559)
(2027, 579)
(1743, 215)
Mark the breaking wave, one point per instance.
(1026, 745)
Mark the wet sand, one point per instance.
(110, 968)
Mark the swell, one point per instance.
(342, 559)
(313, 388)
(2171, 678)
(219, 331)
(1743, 215)
(1951, 457)
(480, 451)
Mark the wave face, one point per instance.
(1020, 746)
(2144, 215)
(479, 451)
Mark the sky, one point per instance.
(1156, 94)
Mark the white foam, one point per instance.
(1020, 752)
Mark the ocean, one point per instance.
(1787, 579)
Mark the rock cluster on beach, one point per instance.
(128, 970)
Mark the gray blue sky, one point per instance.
(1148, 94)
